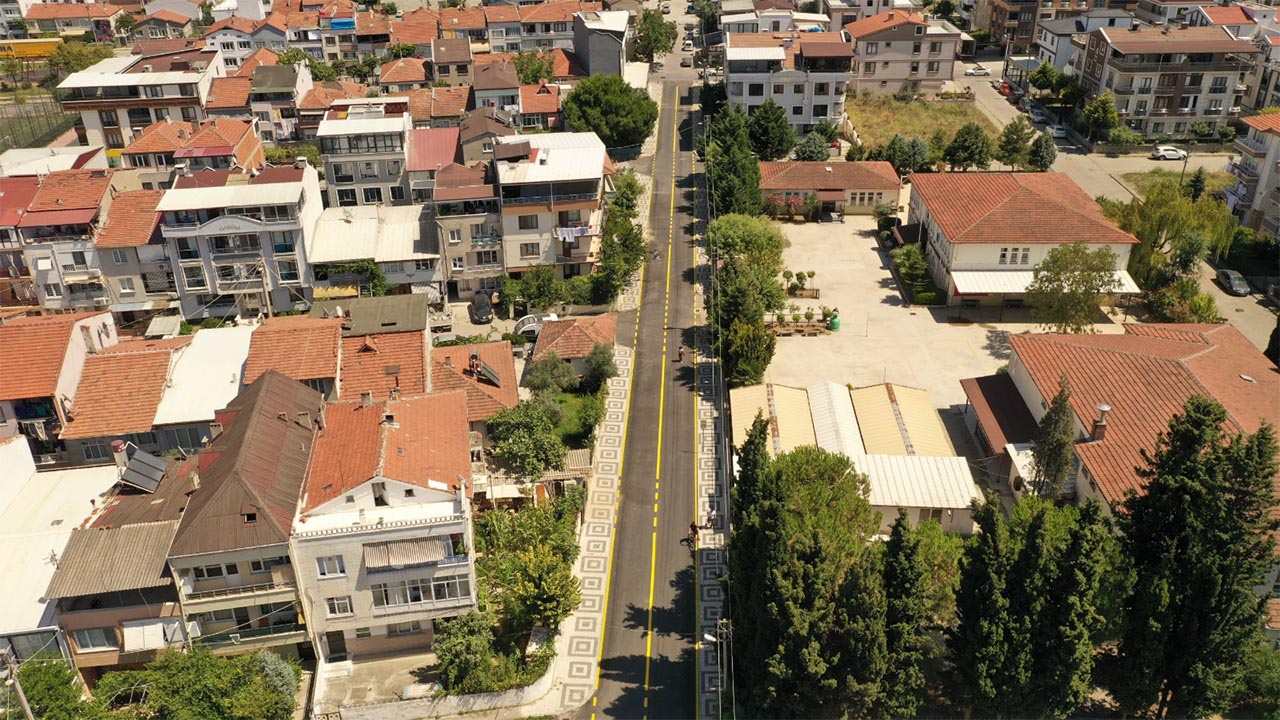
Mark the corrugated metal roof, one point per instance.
(835, 425)
(98, 560)
(877, 421)
(1017, 281)
(794, 423)
(915, 481)
(197, 198)
(396, 554)
(927, 434)
(746, 402)
(755, 53)
(899, 420)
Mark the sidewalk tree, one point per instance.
(619, 114)
(533, 66)
(1200, 537)
(524, 436)
(813, 148)
(733, 171)
(772, 136)
(1067, 286)
(1013, 147)
(748, 350)
(747, 236)
(970, 148)
(902, 689)
(654, 36)
(1054, 449)
(601, 367)
(1043, 153)
(1101, 116)
(11, 67)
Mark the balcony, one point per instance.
(1245, 173)
(1125, 90)
(528, 199)
(235, 251)
(240, 285)
(279, 591)
(423, 606)
(1249, 146)
(254, 637)
(80, 272)
(1271, 224)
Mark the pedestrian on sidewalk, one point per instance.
(680, 354)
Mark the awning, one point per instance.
(831, 195)
(151, 634)
(398, 554)
(336, 292)
(428, 289)
(164, 326)
(987, 282)
(82, 216)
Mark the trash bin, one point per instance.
(834, 323)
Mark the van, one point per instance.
(687, 46)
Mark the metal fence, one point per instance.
(31, 120)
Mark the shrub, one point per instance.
(516, 339)
(210, 323)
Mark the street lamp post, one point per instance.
(1186, 159)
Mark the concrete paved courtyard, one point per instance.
(378, 679)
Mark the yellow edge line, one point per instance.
(697, 564)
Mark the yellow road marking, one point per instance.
(648, 639)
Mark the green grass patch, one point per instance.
(579, 414)
(877, 119)
(1140, 182)
(35, 122)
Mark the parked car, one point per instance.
(977, 71)
(689, 26)
(1168, 152)
(1057, 132)
(655, 66)
(687, 46)
(666, 8)
(688, 9)
(481, 308)
(686, 61)
(1233, 283)
(1038, 117)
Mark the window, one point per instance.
(330, 566)
(915, 48)
(528, 250)
(527, 222)
(126, 286)
(183, 437)
(930, 514)
(455, 235)
(404, 628)
(932, 67)
(870, 48)
(397, 192)
(393, 267)
(216, 616)
(798, 89)
(369, 170)
(109, 118)
(264, 565)
(346, 197)
(915, 68)
(935, 48)
(424, 264)
(193, 277)
(189, 114)
(1015, 256)
(457, 263)
(797, 109)
(218, 570)
(118, 256)
(287, 270)
(1219, 85)
(94, 450)
(460, 69)
(53, 290)
(96, 639)
(450, 588)
(487, 257)
(778, 88)
(868, 68)
(362, 633)
(443, 69)
(372, 195)
(338, 605)
(755, 89)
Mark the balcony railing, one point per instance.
(226, 638)
(549, 198)
(421, 606)
(1244, 172)
(1250, 146)
(241, 590)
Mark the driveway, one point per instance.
(1252, 316)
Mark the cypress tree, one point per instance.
(1054, 451)
(902, 690)
(978, 643)
(1030, 577)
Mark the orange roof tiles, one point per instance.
(137, 344)
(1264, 123)
(301, 347)
(997, 207)
(864, 175)
(556, 10)
(71, 189)
(564, 64)
(323, 94)
(166, 16)
(256, 59)
(131, 220)
(404, 70)
(372, 23)
(572, 338)
(884, 21)
(426, 444)
(15, 195)
(60, 11)
(1233, 15)
(118, 394)
(1145, 375)
(501, 14)
(418, 27)
(36, 345)
(379, 363)
(451, 370)
(465, 18)
(426, 104)
(235, 22)
(229, 92)
(540, 98)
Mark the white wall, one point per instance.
(102, 333)
(17, 467)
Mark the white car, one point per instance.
(977, 71)
(1168, 152)
(1038, 117)
(1057, 132)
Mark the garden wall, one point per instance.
(453, 704)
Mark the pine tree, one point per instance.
(1013, 148)
(1043, 153)
(1054, 449)
(1030, 578)
(733, 173)
(753, 461)
(1200, 538)
(902, 690)
(1196, 183)
(970, 148)
(978, 644)
(771, 133)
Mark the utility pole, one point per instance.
(17, 686)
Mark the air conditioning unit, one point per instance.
(101, 302)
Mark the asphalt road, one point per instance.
(647, 663)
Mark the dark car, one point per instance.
(1233, 282)
(480, 309)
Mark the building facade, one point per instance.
(806, 73)
(364, 146)
(903, 53)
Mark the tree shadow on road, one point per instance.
(997, 345)
(675, 619)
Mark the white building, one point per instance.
(1256, 195)
(552, 188)
(903, 52)
(238, 241)
(1054, 37)
(806, 73)
(401, 240)
(773, 20)
(382, 542)
(364, 145)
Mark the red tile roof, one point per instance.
(379, 363)
(16, 194)
(865, 175)
(167, 136)
(1264, 123)
(34, 348)
(300, 347)
(451, 50)
(556, 10)
(131, 221)
(1233, 15)
(884, 21)
(60, 11)
(71, 190)
(372, 23)
(256, 59)
(564, 64)
(137, 344)
(501, 14)
(235, 22)
(540, 99)
(994, 207)
(463, 18)
(451, 370)
(426, 104)
(572, 338)
(1175, 40)
(322, 95)
(152, 46)
(418, 27)
(1145, 375)
(229, 92)
(118, 394)
(426, 444)
(404, 70)
(166, 16)
(432, 148)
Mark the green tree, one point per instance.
(1196, 183)
(550, 374)
(940, 554)
(826, 131)
(401, 50)
(978, 643)
(619, 114)
(601, 367)
(199, 684)
(524, 436)
(1273, 344)
(390, 8)
(1067, 286)
(366, 270)
(749, 348)
(1030, 578)
(1043, 153)
(938, 143)
(74, 56)
(1200, 537)
(52, 688)
(943, 8)
(753, 460)
(11, 67)
(1054, 450)
(751, 237)
(654, 36)
(545, 590)
(538, 287)
(534, 66)
(1101, 116)
(283, 155)
(124, 24)
(1013, 147)
(812, 148)
(1165, 220)
(902, 690)
(733, 172)
(772, 136)
(970, 148)
(906, 156)
(464, 651)
(913, 269)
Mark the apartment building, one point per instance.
(373, 33)
(364, 143)
(11, 14)
(430, 149)
(466, 23)
(237, 241)
(1168, 12)
(234, 37)
(17, 287)
(400, 240)
(773, 20)
(552, 190)
(119, 97)
(497, 85)
(1255, 198)
(57, 235)
(451, 61)
(1054, 37)
(382, 542)
(274, 92)
(843, 12)
(903, 53)
(477, 131)
(399, 77)
(469, 224)
(1263, 78)
(549, 25)
(503, 23)
(1164, 79)
(1013, 24)
(136, 271)
(167, 147)
(805, 73)
(74, 21)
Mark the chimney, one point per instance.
(448, 361)
(366, 399)
(1100, 425)
(304, 419)
(215, 429)
(300, 162)
(388, 419)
